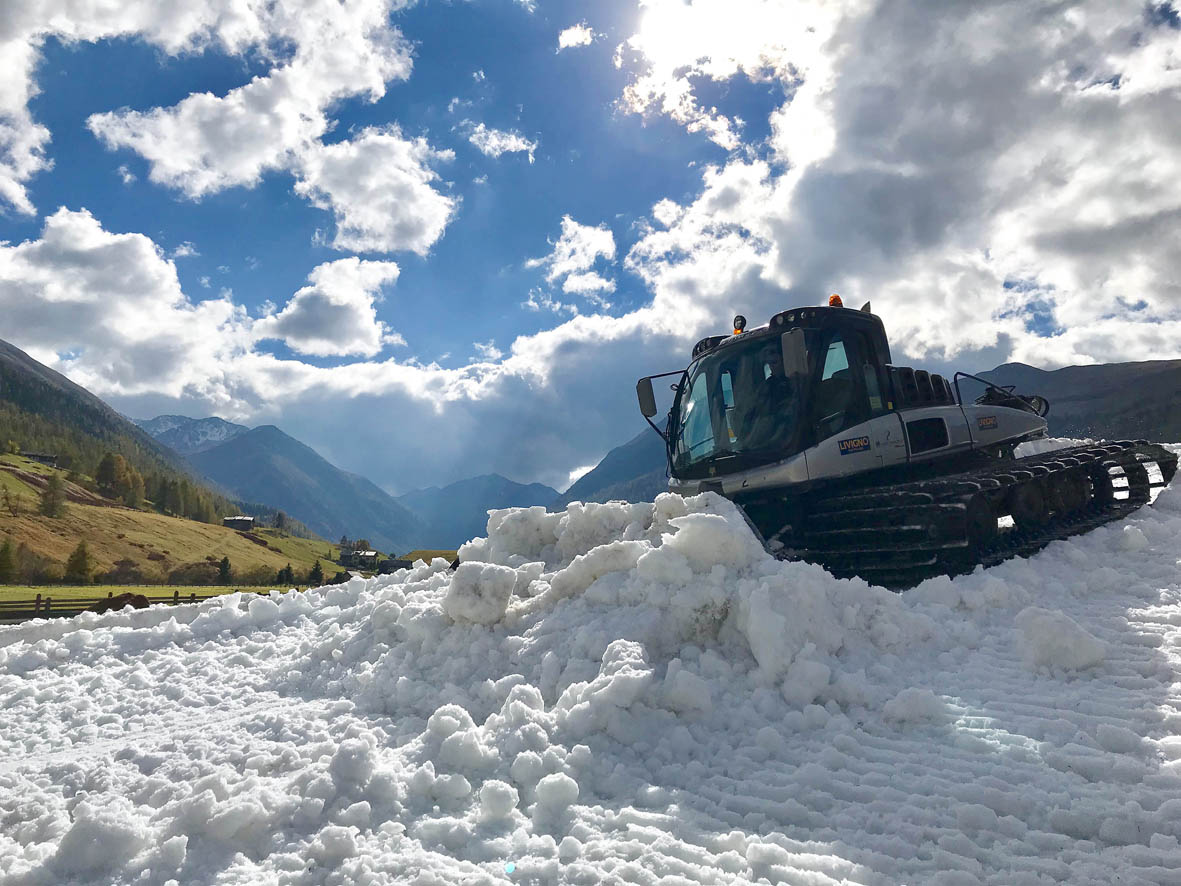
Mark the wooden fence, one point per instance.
(45, 606)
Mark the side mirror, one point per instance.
(795, 353)
(646, 397)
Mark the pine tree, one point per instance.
(79, 567)
(134, 496)
(53, 498)
(173, 502)
(316, 576)
(113, 476)
(223, 571)
(286, 575)
(280, 520)
(8, 563)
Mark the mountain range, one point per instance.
(189, 436)
(1107, 400)
(265, 464)
(459, 512)
(41, 408)
(634, 471)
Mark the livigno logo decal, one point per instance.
(853, 444)
(986, 423)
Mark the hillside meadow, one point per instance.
(156, 543)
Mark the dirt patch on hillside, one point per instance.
(74, 492)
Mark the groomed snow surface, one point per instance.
(615, 694)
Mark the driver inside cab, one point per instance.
(764, 421)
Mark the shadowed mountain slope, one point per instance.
(265, 464)
(459, 512)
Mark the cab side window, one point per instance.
(873, 381)
(841, 400)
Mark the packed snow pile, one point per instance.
(615, 694)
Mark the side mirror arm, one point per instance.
(647, 398)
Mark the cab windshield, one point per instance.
(736, 409)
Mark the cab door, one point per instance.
(854, 426)
(840, 410)
(886, 430)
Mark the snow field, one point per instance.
(615, 694)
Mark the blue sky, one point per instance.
(437, 239)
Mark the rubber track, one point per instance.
(899, 535)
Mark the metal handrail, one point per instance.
(956, 381)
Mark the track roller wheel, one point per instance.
(981, 523)
(1027, 504)
(1102, 489)
(1069, 492)
(1138, 482)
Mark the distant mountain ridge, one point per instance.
(459, 512)
(634, 471)
(1106, 400)
(190, 435)
(265, 464)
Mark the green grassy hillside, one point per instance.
(151, 545)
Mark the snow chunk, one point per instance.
(353, 762)
(497, 800)
(685, 691)
(708, 540)
(335, 843)
(623, 676)
(1052, 639)
(479, 593)
(805, 679)
(1133, 539)
(915, 705)
(448, 719)
(557, 792)
(101, 838)
(618, 556)
(1117, 739)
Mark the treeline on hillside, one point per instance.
(117, 466)
(20, 565)
(75, 448)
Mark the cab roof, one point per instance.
(808, 317)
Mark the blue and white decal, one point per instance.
(854, 444)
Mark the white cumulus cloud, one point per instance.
(112, 307)
(381, 188)
(207, 142)
(494, 142)
(323, 52)
(577, 250)
(580, 34)
(1009, 191)
(334, 315)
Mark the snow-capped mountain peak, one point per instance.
(190, 435)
